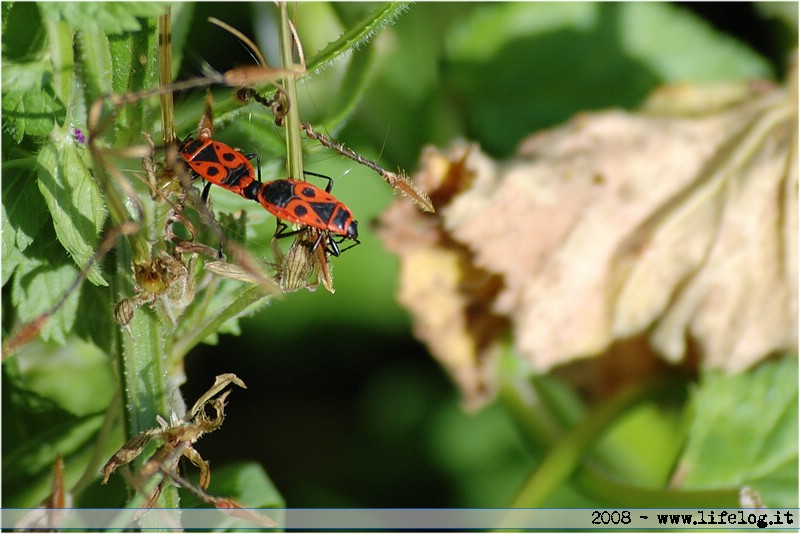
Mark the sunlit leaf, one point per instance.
(74, 200)
(642, 46)
(357, 36)
(39, 282)
(744, 432)
(100, 17)
(29, 107)
(35, 432)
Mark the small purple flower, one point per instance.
(79, 137)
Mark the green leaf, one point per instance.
(678, 46)
(24, 212)
(182, 19)
(357, 36)
(31, 113)
(95, 59)
(26, 38)
(641, 449)
(134, 59)
(25, 77)
(74, 200)
(102, 17)
(29, 107)
(80, 379)
(783, 11)
(744, 432)
(62, 54)
(556, 47)
(35, 431)
(476, 37)
(96, 320)
(45, 272)
(22, 203)
(41, 278)
(246, 483)
(11, 255)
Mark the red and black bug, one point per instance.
(291, 200)
(219, 164)
(304, 203)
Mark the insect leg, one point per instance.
(330, 180)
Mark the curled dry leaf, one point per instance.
(177, 439)
(450, 297)
(681, 228)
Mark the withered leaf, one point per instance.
(128, 452)
(681, 228)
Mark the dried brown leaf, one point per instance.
(615, 225)
(220, 382)
(128, 452)
(177, 438)
(445, 292)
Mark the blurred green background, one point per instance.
(344, 407)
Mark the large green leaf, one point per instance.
(744, 432)
(102, 17)
(246, 483)
(679, 47)
(40, 280)
(74, 200)
(36, 431)
(29, 107)
(518, 67)
(24, 214)
(249, 484)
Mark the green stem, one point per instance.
(616, 494)
(294, 148)
(565, 456)
(143, 353)
(531, 414)
(147, 390)
(564, 461)
(247, 297)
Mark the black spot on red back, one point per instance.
(278, 193)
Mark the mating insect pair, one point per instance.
(289, 200)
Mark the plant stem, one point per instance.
(147, 390)
(565, 455)
(616, 494)
(294, 148)
(243, 300)
(564, 459)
